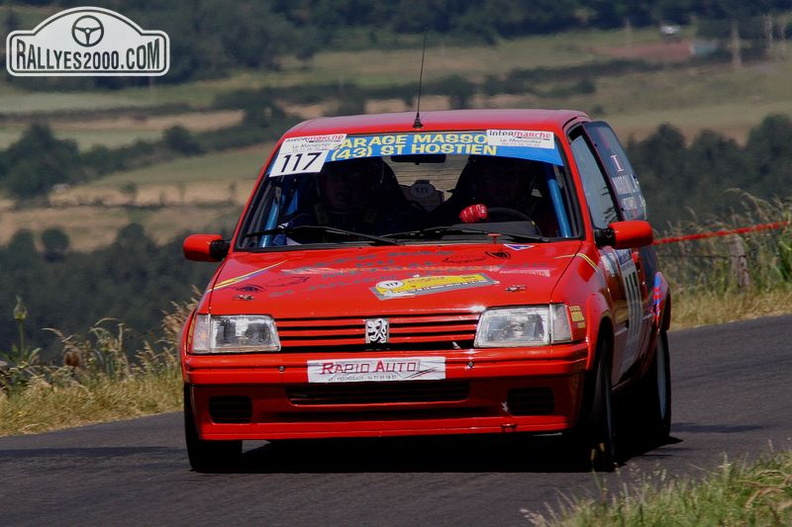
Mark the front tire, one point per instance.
(207, 456)
(594, 439)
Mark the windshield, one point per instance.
(412, 188)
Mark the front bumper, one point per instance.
(484, 391)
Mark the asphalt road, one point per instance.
(732, 400)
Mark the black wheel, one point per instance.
(207, 456)
(594, 439)
(652, 402)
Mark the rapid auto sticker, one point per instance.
(376, 369)
(424, 285)
(308, 154)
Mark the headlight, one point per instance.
(523, 326)
(234, 334)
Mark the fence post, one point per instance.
(739, 263)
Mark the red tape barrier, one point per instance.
(743, 230)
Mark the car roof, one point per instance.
(444, 120)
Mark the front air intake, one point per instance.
(228, 409)
(531, 401)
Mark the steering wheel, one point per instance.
(506, 211)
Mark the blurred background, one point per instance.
(101, 177)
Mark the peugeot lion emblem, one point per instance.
(376, 331)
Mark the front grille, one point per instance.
(407, 332)
(531, 401)
(378, 393)
(231, 409)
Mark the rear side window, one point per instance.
(618, 169)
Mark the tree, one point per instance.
(130, 190)
(38, 161)
(714, 164)
(55, 242)
(769, 151)
(460, 92)
(180, 139)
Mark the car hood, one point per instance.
(382, 280)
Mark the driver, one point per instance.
(360, 195)
(501, 182)
(491, 189)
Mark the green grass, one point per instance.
(223, 166)
(21, 102)
(85, 139)
(98, 380)
(47, 407)
(734, 494)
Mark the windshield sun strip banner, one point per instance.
(308, 154)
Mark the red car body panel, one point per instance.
(319, 299)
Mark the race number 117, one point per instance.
(299, 163)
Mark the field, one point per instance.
(197, 193)
(206, 192)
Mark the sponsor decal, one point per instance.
(521, 138)
(308, 154)
(87, 41)
(536, 272)
(576, 313)
(376, 370)
(425, 285)
(657, 299)
(465, 258)
(246, 298)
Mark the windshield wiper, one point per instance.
(435, 233)
(291, 229)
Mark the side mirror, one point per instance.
(205, 247)
(625, 234)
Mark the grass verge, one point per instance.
(46, 406)
(97, 382)
(734, 494)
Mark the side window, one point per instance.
(623, 179)
(600, 202)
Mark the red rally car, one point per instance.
(456, 272)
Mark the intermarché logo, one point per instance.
(87, 41)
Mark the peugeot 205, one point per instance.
(456, 272)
